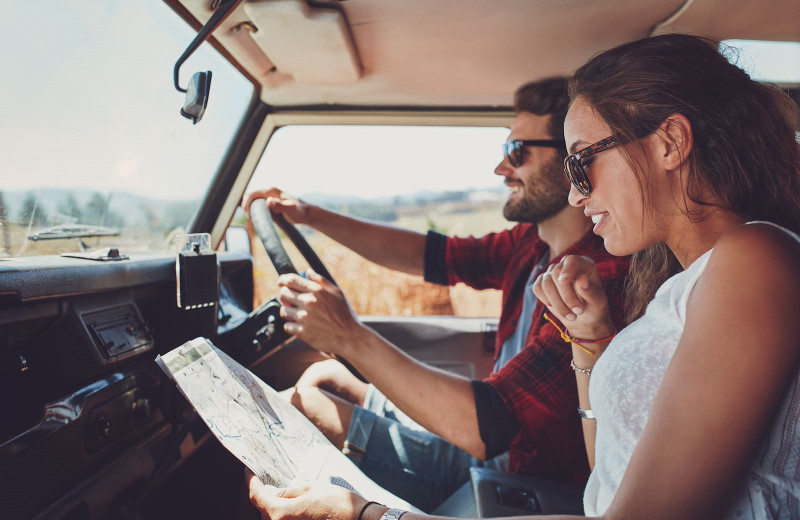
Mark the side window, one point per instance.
(773, 61)
(418, 178)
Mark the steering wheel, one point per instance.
(263, 220)
(263, 224)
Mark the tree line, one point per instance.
(98, 210)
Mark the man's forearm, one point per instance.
(392, 247)
(441, 402)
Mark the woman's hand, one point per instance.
(317, 312)
(323, 502)
(281, 202)
(573, 292)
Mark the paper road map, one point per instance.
(266, 433)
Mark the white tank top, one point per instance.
(624, 384)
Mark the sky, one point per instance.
(88, 102)
(380, 162)
(89, 99)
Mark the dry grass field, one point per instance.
(375, 290)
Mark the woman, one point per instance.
(694, 409)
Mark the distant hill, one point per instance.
(412, 199)
(389, 208)
(59, 206)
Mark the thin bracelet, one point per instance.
(361, 514)
(582, 370)
(577, 341)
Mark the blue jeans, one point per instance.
(404, 458)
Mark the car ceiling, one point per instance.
(448, 53)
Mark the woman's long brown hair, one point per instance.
(745, 151)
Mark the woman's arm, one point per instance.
(731, 369)
(573, 292)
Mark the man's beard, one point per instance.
(543, 197)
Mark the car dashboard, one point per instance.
(89, 424)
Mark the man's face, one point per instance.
(538, 189)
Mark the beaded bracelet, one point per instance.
(582, 370)
(363, 509)
(577, 341)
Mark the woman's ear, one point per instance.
(676, 133)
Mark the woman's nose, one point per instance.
(576, 198)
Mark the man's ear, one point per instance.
(676, 133)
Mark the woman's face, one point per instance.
(615, 203)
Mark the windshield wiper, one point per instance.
(73, 231)
(78, 231)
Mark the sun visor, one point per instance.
(313, 44)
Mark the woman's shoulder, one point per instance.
(758, 248)
(751, 284)
(759, 237)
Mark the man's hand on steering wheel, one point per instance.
(280, 203)
(317, 312)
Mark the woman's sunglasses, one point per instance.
(575, 164)
(514, 149)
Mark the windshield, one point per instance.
(95, 152)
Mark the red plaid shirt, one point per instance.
(537, 385)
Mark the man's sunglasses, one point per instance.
(513, 149)
(575, 164)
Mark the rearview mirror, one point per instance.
(196, 99)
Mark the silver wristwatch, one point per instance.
(393, 514)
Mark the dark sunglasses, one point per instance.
(513, 149)
(575, 164)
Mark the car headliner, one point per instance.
(455, 53)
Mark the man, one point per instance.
(527, 407)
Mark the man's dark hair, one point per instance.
(546, 97)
